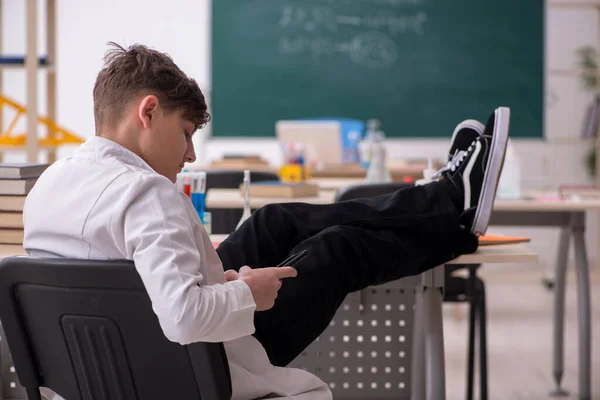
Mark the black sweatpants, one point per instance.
(351, 245)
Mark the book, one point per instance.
(11, 236)
(9, 250)
(12, 203)
(247, 157)
(16, 186)
(491, 240)
(329, 170)
(11, 219)
(21, 170)
(239, 162)
(282, 189)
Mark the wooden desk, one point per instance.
(336, 183)
(569, 216)
(537, 205)
(231, 198)
(503, 254)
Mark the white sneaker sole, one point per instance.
(492, 171)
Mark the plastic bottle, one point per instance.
(366, 146)
(378, 171)
(247, 210)
(509, 186)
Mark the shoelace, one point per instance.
(457, 159)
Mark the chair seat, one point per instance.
(456, 289)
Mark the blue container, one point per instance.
(198, 200)
(351, 133)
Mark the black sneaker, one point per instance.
(464, 134)
(475, 172)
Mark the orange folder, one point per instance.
(490, 240)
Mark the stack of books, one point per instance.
(240, 162)
(16, 180)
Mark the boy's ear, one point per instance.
(147, 110)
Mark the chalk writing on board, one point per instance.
(393, 24)
(322, 19)
(315, 46)
(370, 49)
(309, 19)
(373, 49)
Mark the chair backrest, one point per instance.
(225, 220)
(365, 190)
(232, 179)
(86, 330)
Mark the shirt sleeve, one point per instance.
(158, 235)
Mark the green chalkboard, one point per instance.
(419, 66)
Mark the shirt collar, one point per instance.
(100, 147)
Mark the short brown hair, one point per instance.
(129, 72)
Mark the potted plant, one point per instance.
(588, 62)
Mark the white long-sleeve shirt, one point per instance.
(105, 202)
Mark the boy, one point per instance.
(116, 198)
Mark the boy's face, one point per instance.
(166, 142)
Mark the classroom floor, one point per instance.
(520, 337)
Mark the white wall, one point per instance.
(182, 29)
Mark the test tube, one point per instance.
(247, 211)
(198, 193)
(187, 183)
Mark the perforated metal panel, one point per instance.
(11, 389)
(365, 353)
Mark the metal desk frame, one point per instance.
(428, 380)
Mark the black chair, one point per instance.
(456, 289)
(225, 220)
(86, 330)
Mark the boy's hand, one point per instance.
(231, 275)
(264, 283)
